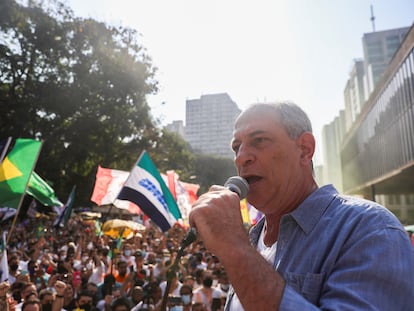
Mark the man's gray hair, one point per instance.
(290, 115)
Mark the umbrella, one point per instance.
(90, 215)
(116, 228)
(409, 228)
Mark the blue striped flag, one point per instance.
(146, 188)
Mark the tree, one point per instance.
(172, 152)
(211, 170)
(78, 85)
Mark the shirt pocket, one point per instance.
(309, 285)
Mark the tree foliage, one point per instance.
(173, 153)
(80, 86)
(211, 170)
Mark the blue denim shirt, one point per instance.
(342, 253)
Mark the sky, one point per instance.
(256, 51)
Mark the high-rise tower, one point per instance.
(209, 124)
(379, 47)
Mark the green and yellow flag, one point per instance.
(15, 171)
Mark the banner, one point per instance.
(146, 188)
(15, 171)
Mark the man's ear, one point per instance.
(306, 142)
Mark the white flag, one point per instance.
(4, 264)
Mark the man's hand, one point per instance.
(216, 216)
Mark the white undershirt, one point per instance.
(268, 253)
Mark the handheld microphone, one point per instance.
(238, 185)
(235, 184)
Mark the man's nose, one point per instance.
(244, 156)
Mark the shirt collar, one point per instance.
(307, 214)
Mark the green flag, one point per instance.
(16, 169)
(41, 191)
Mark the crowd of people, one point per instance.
(77, 267)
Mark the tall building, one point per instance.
(332, 135)
(354, 94)
(379, 47)
(176, 127)
(209, 124)
(376, 152)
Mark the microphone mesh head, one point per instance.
(238, 185)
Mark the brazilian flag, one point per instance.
(15, 171)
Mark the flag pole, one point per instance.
(22, 196)
(6, 147)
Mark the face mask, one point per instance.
(176, 308)
(86, 307)
(89, 266)
(47, 307)
(89, 246)
(186, 299)
(85, 258)
(225, 287)
(127, 252)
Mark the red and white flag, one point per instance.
(108, 184)
(184, 193)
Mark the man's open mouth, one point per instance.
(252, 179)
